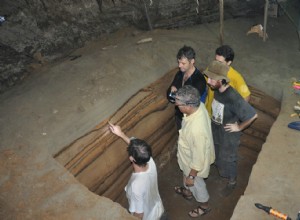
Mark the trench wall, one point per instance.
(99, 159)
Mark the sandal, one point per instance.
(186, 193)
(199, 211)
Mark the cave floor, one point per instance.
(222, 207)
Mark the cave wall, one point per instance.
(36, 32)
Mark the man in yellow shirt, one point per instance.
(195, 148)
(225, 54)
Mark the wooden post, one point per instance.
(147, 15)
(221, 9)
(298, 31)
(265, 20)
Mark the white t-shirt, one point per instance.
(143, 195)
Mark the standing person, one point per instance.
(230, 115)
(195, 148)
(225, 54)
(142, 188)
(188, 74)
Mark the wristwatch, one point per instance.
(191, 177)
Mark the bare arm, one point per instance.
(239, 127)
(245, 124)
(116, 129)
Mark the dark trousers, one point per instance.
(226, 162)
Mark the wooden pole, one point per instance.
(147, 15)
(298, 30)
(265, 20)
(221, 9)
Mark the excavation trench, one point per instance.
(99, 161)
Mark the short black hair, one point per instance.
(186, 52)
(140, 151)
(226, 52)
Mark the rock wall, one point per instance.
(39, 31)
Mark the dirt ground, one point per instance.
(63, 100)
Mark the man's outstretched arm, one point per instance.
(116, 129)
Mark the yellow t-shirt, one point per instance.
(236, 81)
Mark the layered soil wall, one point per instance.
(99, 159)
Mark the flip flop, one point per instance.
(294, 125)
(199, 211)
(181, 190)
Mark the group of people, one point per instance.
(211, 110)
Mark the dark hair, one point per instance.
(189, 95)
(186, 52)
(140, 151)
(226, 52)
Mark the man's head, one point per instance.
(216, 73)
(139, 151)
(187, 98)
(186, 58)
(225, 54)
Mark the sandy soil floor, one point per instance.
(63, 100)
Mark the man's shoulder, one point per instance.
(197, 71)
(233, 92)
(198, 74)
(200, 115)
(230, 94)
(237, 81)
(233, 73)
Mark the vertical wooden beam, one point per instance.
(147, 15)
(265, 20)
(298, 31)
(221, 9)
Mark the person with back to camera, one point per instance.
(142, 188)
(230, 115)
(188, 74)
(195, 148)
(225, 54)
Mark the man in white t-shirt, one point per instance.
(142, 188)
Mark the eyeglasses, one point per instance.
(173, 99)
(185, 103)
